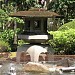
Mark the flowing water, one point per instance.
(16, 69)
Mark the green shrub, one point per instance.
(67, 26)
(21, 42)
(4, 46)
(64, 39)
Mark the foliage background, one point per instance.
(63, 40)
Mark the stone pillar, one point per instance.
(42, 25)
(31, 26)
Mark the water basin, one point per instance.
(13, 68)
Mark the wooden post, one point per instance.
(15, 27)
(15, 35)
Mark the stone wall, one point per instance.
(48, 57)
(42, 57)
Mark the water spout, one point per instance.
(35, 51)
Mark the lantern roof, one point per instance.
(35, 12)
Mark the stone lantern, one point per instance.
(35, 29)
